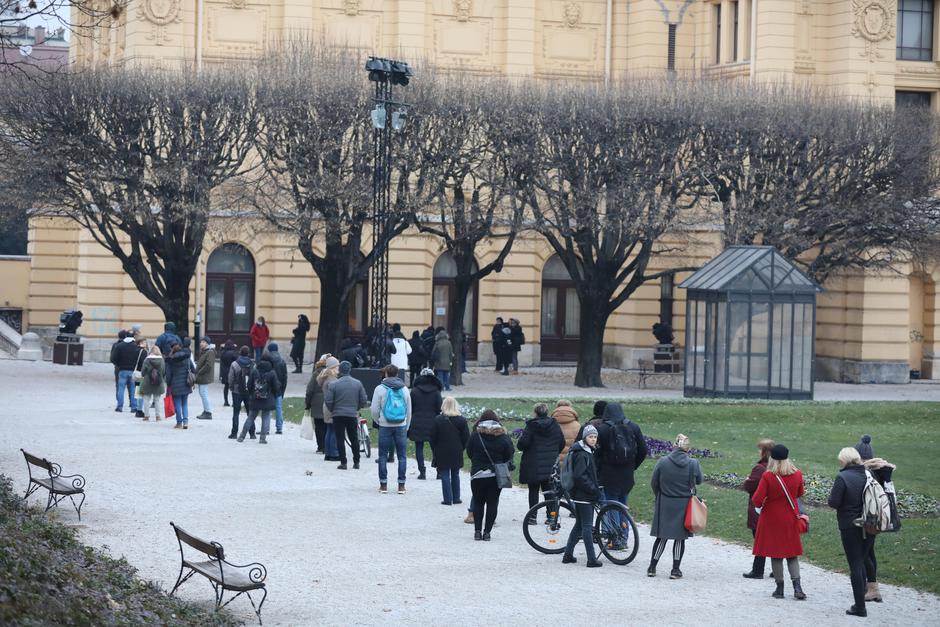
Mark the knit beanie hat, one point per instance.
(169, 327)
(331, 362)
(345, 367)
(779, 452)
(588, 430)
(864, 447)
(272, 346)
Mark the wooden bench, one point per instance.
(223, 575)
(51, 478)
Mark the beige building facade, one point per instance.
(869, 327)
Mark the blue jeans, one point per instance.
(204, 395)
(444, 377)
(329, 443)
(616, 519)
(181, 407)
(450, 484)
(126, 380)
(258, 351)
(389, 437)
(279, 414)
(249, 426)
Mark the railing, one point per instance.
(10, 339)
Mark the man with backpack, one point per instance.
(238, 374)
(621, 449)
(263, 388)
(344, 398)
(391, 409)
(280, 369)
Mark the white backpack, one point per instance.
(876, 507)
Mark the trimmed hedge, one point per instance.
(47, 577)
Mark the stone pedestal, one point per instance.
(30, 348)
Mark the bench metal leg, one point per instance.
(181, 580)
(30, 489)
(78, 508)
(258, 609)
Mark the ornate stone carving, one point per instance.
(462, 9)
(572, 14)
(874, 23)
(351, 7)
(238, 4)
(160, 13)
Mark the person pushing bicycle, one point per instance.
(580, 476)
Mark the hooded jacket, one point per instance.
(425, 406)
(280, 367)
(313, 398)
(226, 359)
(378, 402)
(449, 436)
(324, 380)
(584, 469)
(152, 362)
(265, 369)
(241, 367)
(125, 354)
(617, 477)
(567, 419)
(672, 485)
(488, 437)
(259, 335)
(167, 338)
(402, 349)
(541, 442)
(345, 396)
(178, 366)
(442, 356)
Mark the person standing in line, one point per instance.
(205, 373)
(881, 470)
(847, 497)
(585, 493)
(313, 402)
(263, 387)
(674, 480)
(152, 384)
(427, 341)
(517, 337)
(750, 486)
(298, 342)
(280, 369)
(165, 340)
(778, 534)
(400, 357)
(621, 449)
(597, 419)
(449, 437)
(238, 375)
(259, 335)
(567, 419)
(142, 352)
(488, 445)
(226, 359)
(392, 411)
(425, 406)
(124, 356)
(417, 358)
(541, 442)
(179, 366)
(505, 349)
(443, 358)
(344, 397)
(329, 375)
(496, 335)
(113, 357)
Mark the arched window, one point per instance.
(561, 313)
(444, 297)
(230, 293)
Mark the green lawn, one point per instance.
(904, 433)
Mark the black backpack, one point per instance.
(621, 446)
(243, 374)
(155, 377)
(262, 387)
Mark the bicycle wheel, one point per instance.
(550, 533)
(615, 533)
(365, 441)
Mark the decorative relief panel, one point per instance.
(463, 33)
(235, 31)
(571, 38)
(356, 23)
(160, 13)
(874, 23)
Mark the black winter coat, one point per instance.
(280, 369)
(418, 358)
(425, 406)
(497, 443)
(617, 478)
(125, 355)
(178, 365)
(517, 337)
(355, 354)
(449, 437)
(846, 495)
(541, 442)
(298, 339)
(228, 357)
(265, 370)
(584, 469)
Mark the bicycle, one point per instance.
(364, 437)
(614, 530)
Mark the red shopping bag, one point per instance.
(168, 410)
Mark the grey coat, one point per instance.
(345, 397)
(672, 486)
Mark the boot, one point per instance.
(383, 488)
(477, 535)
(421, 475)
(469, 518)
(569, 559)
(651, 571)
(798, 593)
(263, 439)
(757, 569)
(778, 591)
(857, 611)
(872, 593)
(594, 563)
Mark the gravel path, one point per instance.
(340, 553)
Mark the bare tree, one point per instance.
(134, 156)
(833, 184)
(315, 150)
(608, 174)
(469, 180)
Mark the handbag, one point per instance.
(306, 426)
(168, 409)
(501, 470)
(696, 512)
(802, 520)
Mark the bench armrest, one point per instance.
(78, 481)
(257, 573)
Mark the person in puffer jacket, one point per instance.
(585, 493)
(263, 388)
(154, 369)
(238, 382)
(541, 442)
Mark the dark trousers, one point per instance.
(225, 392)
(419, 456)
(871, 563)
(237, 403)
(759, 561)
(345, 426)
(856, 548)
(485, 503)
(582, 530)
(534, 488)
(319, 430)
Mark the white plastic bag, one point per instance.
(306, 426)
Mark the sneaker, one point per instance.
(675, 573)
(241, 438)
(232, 436)
(446, 503)
(204, 416)
(139, 414)
(251, 436)
(421, 476)
(477, 535)
(319, 452)
(118, 410)
(531, 522)
(401, 488)
(594, 563)
(226, 404)
(177, 426)
(458, 502)
(186, 426)
(486, 536)
(383, 488)
(278, 432)
(651, 571)
(341, 467)
(569, 559)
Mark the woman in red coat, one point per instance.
(778, 533)
(750, 486)
(259, 337)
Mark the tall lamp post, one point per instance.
(387, 115)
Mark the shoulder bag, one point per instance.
(501, 470)
(696, 512)
(802, 520)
